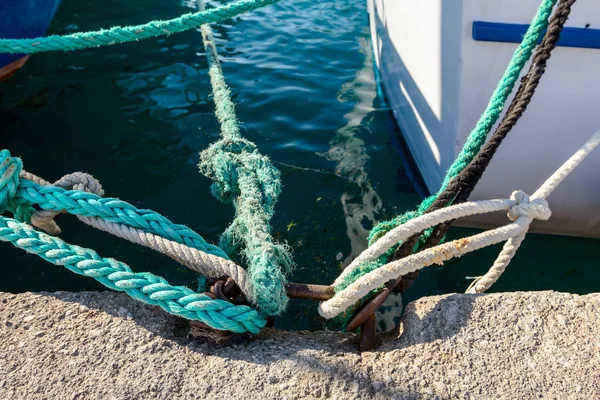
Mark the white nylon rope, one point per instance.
(206, 264)
(522, 210)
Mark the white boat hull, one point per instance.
(438, 80)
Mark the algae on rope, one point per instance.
(249, 180)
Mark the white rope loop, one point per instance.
(435, 255)
(521, 209)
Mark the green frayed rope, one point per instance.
(476, 138)
(145, 287)
(249, 180)
(118, 34)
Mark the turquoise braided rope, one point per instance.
(10, 168)
(250, 181)
(474, 142)
(110, 209)
(145, 287)
(487, 120)
(118, 34)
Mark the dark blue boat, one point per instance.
(23, 19)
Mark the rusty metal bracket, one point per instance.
(309, 292)
(368, 332)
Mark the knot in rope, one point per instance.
(533, 208)
(251, 183)
(10, 168)
(235, 145)
(80, 181)
(221, 162)
(230, 162)
(244, 177)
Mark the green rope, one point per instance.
(249, 180)
(487, 120)
(118, 34)
(475, 140)
(145, 287)
(110, 209)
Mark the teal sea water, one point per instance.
(136, 115)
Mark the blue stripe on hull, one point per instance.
(24, 19)
(513, 33)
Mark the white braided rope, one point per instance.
(483, 283)
(199, 261)
(416, 225)
(523, 209)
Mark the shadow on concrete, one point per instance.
(317, 351)
(445, 319)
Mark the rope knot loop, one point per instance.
(236, 145)
(10, 168)
(533, 208)
(222, 162)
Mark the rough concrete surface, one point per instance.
(107, 346)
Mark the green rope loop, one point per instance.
(10, 168)
(118, 34)
(145, 287)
